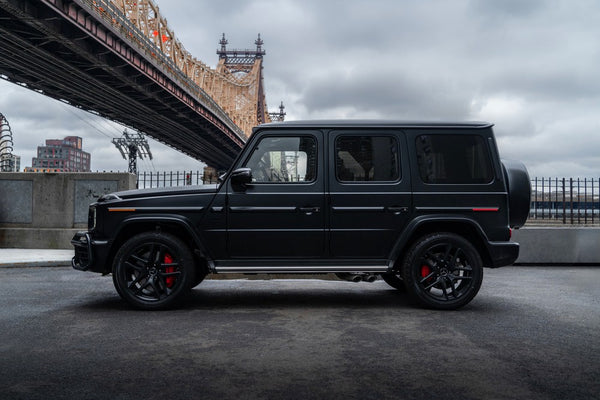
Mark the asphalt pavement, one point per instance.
(531, 333)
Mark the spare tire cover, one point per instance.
(519, 192)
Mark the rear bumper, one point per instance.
(503, 253)
(90, 254)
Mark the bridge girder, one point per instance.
(66, 50)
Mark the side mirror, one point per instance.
(241, 177)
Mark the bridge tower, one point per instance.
(278, 116)
(244, 66)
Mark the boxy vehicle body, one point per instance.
(424, 205)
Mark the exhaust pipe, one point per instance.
(356, 277)
(369, 278)
(349, 276)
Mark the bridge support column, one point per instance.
(210, 175)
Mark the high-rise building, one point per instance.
(58, 155)
(10, 163)
(7, 160)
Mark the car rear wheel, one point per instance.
(153, 271)
(442, 271)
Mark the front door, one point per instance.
(280, 214)
(370, 197)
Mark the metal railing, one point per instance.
(154, 179)
(573, 201)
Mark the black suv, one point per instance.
(423, 205)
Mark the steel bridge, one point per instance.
(120, 60)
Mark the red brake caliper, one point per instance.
(425, 271)
(170, 281)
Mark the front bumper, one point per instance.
(503, 253)
(90, 254)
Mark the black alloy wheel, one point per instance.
(443, 271)
(153, 271)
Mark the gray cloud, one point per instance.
(509, 8)
(530, 67)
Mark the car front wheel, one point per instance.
(442, 271)
(153, 271)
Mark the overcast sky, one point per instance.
(531, 67)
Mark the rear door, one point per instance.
(370, 193)
(455, 177)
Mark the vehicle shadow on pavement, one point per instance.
(275, 298)
(295, 298)
(112, 303)
(251, 299)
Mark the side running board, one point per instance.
(301, 269)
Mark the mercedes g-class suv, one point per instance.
(423, 205)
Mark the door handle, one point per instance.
(397, 210)
(309, 210)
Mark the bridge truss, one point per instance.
(119, 59)
(237, 83)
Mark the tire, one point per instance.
(395, 281)
(442, 271)
(153, 271)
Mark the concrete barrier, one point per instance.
(558, 245)
(44, 210)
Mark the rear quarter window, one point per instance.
(453, 159)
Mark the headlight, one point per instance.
(92, 218)
(107, 197)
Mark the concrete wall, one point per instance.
(44, 210)
(558, 245)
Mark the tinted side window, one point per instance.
(453, 159)
(284, 159)
(366, 159)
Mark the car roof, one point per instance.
(363, 123)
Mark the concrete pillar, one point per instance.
(44, 210)
(210, 175)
